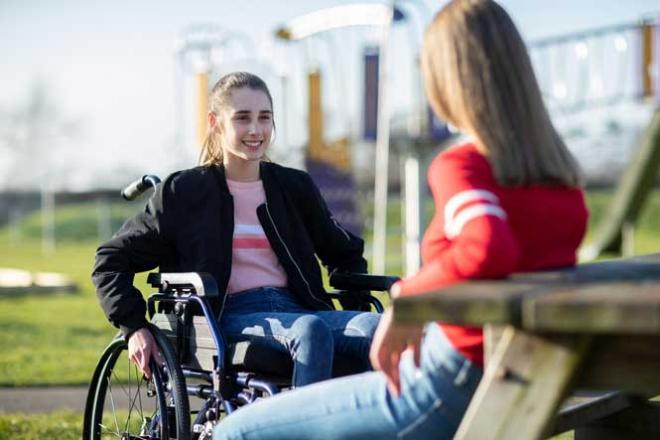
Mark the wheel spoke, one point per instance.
(112, 403)
(139, 395)
(128, 419)
(105, 428)
(148, 418)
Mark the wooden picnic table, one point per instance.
(595, 326)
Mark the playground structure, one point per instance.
(311, 60)
(605, 68)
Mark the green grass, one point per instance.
(52, 339)
(78, 222)
(61, 425)
(647, 232)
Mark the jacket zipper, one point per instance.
(225, 295)
(309, 289)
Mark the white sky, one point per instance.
(110, 66)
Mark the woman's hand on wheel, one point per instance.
(141, 346)
(390, 340)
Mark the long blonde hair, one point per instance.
(211, 152)
(479, 77)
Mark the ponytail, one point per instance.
(211, 152)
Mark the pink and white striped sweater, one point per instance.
(254, 264)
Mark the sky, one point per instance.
(108, 72)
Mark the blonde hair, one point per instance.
(211, 152)
(479, 77)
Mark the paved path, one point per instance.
(42, 399)
(48, 399)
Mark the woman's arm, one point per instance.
(140, 245)
(470, 236)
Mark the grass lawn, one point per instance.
(56, 339)
(53, 339)
(60, 425)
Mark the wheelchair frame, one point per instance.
(195, 351)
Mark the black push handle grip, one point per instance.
(135, 189)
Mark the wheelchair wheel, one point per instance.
(122, 404)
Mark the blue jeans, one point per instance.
(431, 405)
(273, 316)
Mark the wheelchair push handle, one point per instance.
(136, 188)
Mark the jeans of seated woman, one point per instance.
(273, 316)
(433, 400)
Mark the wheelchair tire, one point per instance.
(121, 403)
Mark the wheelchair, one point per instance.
(203, 377)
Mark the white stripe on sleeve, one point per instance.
(455, 227)
(463, 197)
(456, 216)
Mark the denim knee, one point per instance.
(311, 333)
(364, 324)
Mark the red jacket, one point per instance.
(484, 230)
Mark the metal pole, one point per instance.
(47, 220)
(413, 221)
(202, 88)
(15, 215)
(105, 218)
(382, 155)
(412, 217)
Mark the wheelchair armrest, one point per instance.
(184, 283)
(361, 281)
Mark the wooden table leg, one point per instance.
(523, 386)
(492, 336)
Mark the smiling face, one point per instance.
(245, 125)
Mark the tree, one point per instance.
(32, 136)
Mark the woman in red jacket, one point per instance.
(507, 200)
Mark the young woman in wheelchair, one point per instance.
(258, 228)
(507, 200)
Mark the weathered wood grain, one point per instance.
(474, 303)
(522, 390)
(613, 307)
(580, 410)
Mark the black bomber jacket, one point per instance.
(188, 225)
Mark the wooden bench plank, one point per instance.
(579, 409)
(475, 303)
(479, 302)
(621, 307)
